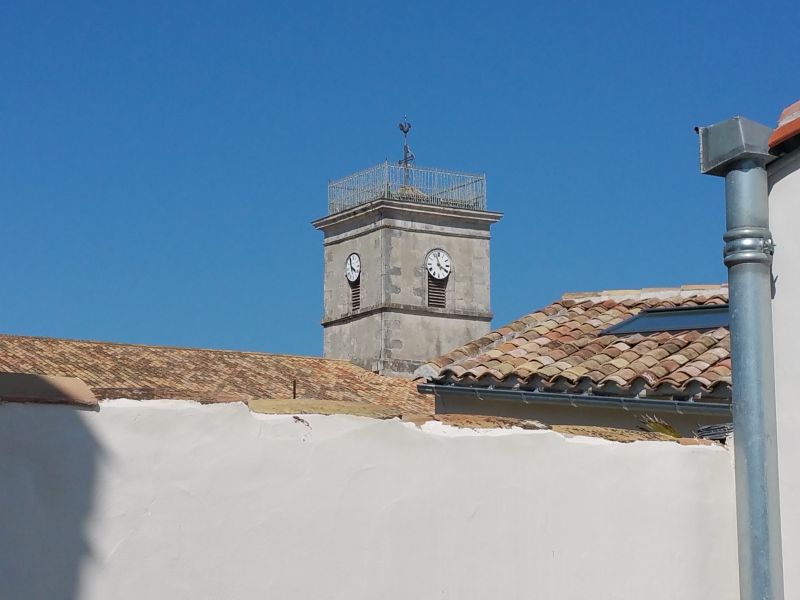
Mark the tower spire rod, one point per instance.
(408, 155)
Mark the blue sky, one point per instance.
(160, 163)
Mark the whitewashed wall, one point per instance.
(784, 206)
(175, 500)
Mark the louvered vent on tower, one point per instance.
(437, 292)
(355, 294)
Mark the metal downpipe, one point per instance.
(738, 150)
(748, 256)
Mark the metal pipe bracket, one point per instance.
(748, 245)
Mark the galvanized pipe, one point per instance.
(738, 150)
(748, 256)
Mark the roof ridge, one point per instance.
(168, 347)
(683, 291)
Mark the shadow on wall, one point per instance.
(48, 463)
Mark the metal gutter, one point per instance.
(683, 407)
(738, 150)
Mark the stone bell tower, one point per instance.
(406, 264)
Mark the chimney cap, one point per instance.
(785, 137)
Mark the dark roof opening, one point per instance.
(688, 318)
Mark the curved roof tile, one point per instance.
(157, 372)
(563, 346)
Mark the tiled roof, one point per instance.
(562, 348)
(156, 372)
(264, 381)
(788, 128)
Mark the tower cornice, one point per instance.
(408, 208)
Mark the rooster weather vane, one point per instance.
(408, 155)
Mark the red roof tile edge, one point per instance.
(788, 125)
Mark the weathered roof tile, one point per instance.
(564, 344)
(155, 372)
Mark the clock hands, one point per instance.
(352, 267)
(442, 266)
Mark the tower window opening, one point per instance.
(437, 292)
(355, 294)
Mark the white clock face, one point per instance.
(352, 267)
(438, 264)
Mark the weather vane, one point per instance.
(408, 155)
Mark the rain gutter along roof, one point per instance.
(577, 400)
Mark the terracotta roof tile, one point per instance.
(154, 372)
(788, 128)
(563, 344)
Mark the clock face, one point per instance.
(438, 264)
(352, 267)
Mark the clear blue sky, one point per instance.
(160, 162)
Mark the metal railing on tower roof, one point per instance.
(412, 184)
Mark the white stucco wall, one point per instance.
(175, 500)
(784, 206)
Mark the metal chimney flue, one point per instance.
(737, 149)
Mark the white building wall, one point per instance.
(784, 206)
(173, 500)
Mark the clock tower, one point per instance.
(406, 265)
